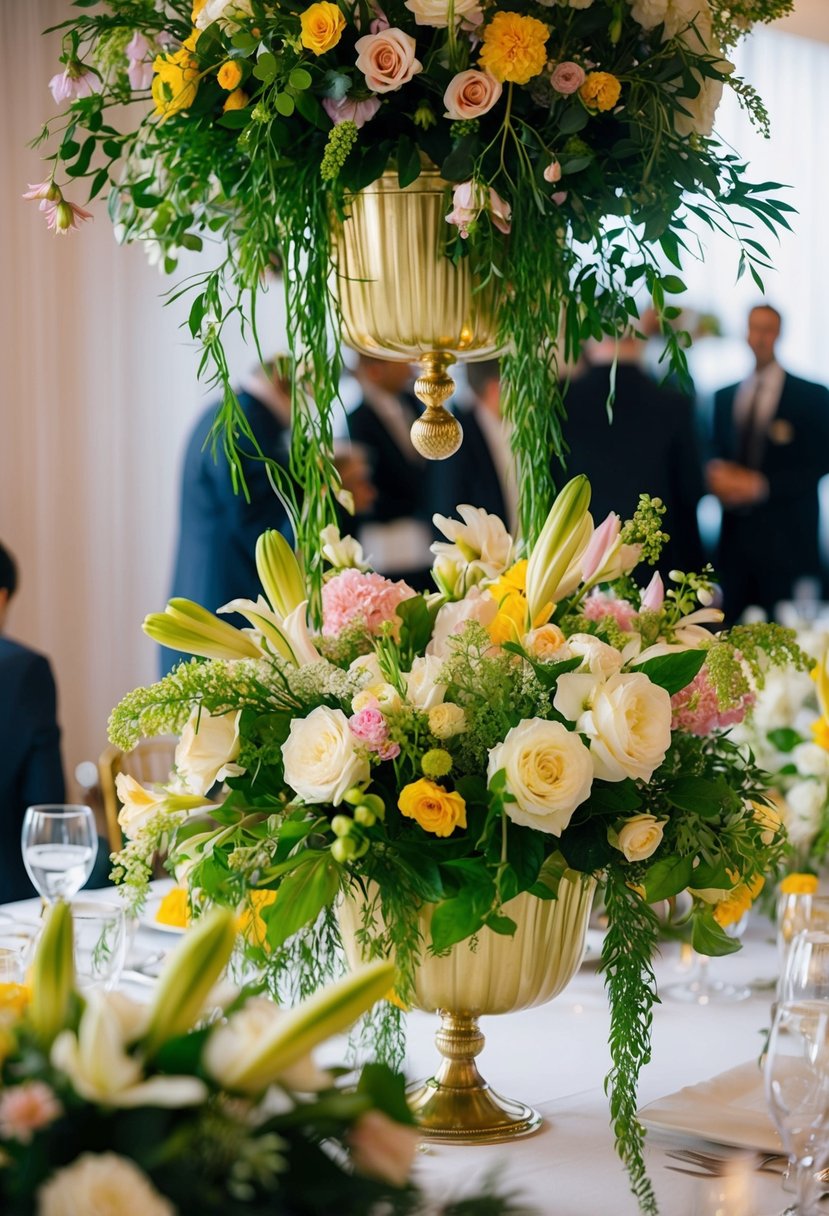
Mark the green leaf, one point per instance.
(672, 284)
(285, 104)
(197, 311)
(673, 672)
(459, 165)
(504, 925)
(785, 739)
(417, 622)
(311, 110)
(667, 877)
(388, 1090)
(708, 937)
(301, 897)
(98, 182)
(711, 874)
(614, 797)
(456, 919)
(81, 165)
(575, 118)
(700, 796)
(234, 120)
(300, 79)
(244, 41)
(549, 877)
(69, 149)
(266, 67)
(408, 161)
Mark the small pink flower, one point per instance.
(381, 1148)
(372, 730)
(346, 110)
(46, 192)
(352, 596)
(653, 597)
(387, 60)
(500, 212)
(697, 709)
(552, 173)
(471, 94)
(598, 605)
(25, 1108)
(140, 56)
(469, 199)
(567, 77)
(559, 198)
(63, 216)
(379, 23)
(75, 82)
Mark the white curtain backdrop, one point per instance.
(99, 383)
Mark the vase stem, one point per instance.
(437, 434)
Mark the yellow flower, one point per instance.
(735, 905)
(174, 909)
(820, 731)
(176, 79)
(229, 75)
(799, 884)
(14, 998)
(514, 47)
(322, 27)
(433, 807)
(251, 923)
(600, 91)
(198, 5)
(237, 100)
(512, 620)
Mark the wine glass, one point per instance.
(796, 913)
(797, 1091)
(59, 844)
(700, 988)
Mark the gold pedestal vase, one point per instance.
(492, 974)
(401, 298)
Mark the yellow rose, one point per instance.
(735, 905)
(322, 27)
(600, 91)
(229, 75)
(799, 884)
(237, 100)
(514, 47)
(433, 807)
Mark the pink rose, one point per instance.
(387, 60)
(358, 112)
(567, 77)
(553, 171)
(471, 94)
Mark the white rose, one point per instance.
(805, 801)
(597, 657)
(225, 12)
(649, 13)
(138, 805)
(629, 724)
(384, 695)
(422, 687)
(548, 770)
(101, 1184)
(436, 12)
(702, 109)
(447, 720)
(368, 665)
(810, 760)
(236, 1044)
(639, 837)
(477, 606)
(206, 750)
(321, 760)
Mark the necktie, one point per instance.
(751, 438)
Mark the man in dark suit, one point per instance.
(30, 763)
(770, 443)
(648, 445)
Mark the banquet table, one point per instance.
(555, 1057)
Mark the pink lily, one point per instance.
(653, 597)
(63, 216)
(605, 557)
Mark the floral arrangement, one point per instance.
(581, 127)
(530, 719)
(207, 1100)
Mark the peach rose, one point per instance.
(387, 60)
(471, 94)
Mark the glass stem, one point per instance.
(805, 1183)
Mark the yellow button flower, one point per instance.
(237, 100)
(229, 75)
(322, 27)
(433, 807)
(600, 91)
(514, 47)
(799, 884)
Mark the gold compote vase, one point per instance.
(489, 974)
(402, 298)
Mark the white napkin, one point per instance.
(727, 1109)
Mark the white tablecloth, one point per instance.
(555, 1057)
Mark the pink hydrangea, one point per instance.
(697, 709)
(599, 605)
(372, 730)
(352, 596)
(25, 1108)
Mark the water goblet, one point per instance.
(797, 1092)
(796, 913)
(59, 844)
(100, 943)
(700, 988)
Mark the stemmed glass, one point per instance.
(700, 989)
(59, 847)
(797, 1091)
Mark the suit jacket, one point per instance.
(218, 528)
(30, 763)
(650, 447)
(470, 476)
(775, 542)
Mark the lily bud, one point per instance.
(564, 535)
(186, 626)
(279, 572)
(653, 597)
(53, 975)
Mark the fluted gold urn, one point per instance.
(490, 974)
(402, 298)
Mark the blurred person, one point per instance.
(31, 770)
(644, 443)
(396, 532)
(215, 559)
(770, 447)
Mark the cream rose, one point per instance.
(384, 695)
(436, 12)
(101, 1184)
(477, 606)
(447, 720)
(597, 657)
(548, 770)
(235, 1045)
(471, 94)
(387, 60)
(629, 724)
(639, 837)
(545, 643)
(206, 751)
(422, 687)
(320, 757)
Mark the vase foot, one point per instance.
(450, 1115)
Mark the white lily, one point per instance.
(139, 805)
(279, 572)
(186, 626)
(287, 636)
(343, 552)
(554, 566)
(481, 542)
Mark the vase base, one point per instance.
(450, 1115)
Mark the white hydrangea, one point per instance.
(805, 801)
